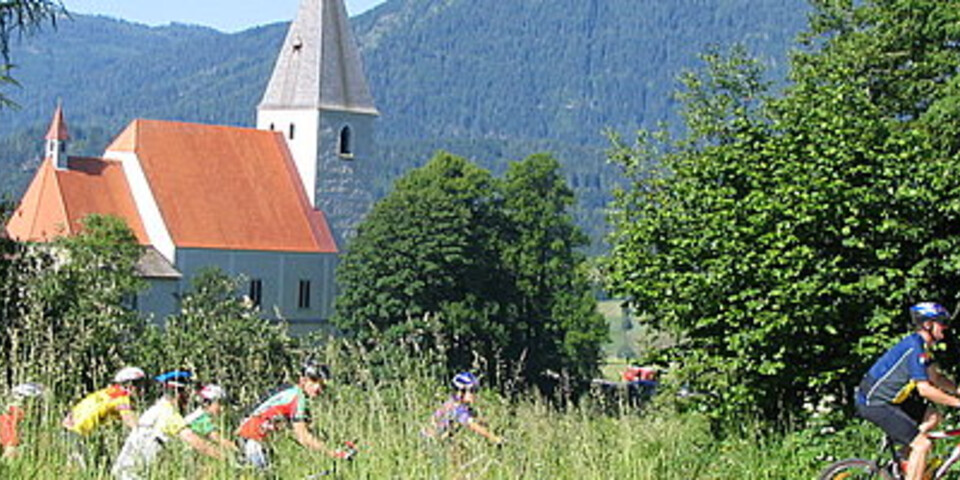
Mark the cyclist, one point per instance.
(158, 425)
(113, 401)
(202, 420)
(458, 411)
(15, 413)
(290, 404)
(887, 394)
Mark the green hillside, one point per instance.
(489, 80)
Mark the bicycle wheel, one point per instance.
(854, 469)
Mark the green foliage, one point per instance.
(222, 339)
(65, 312)
(785, 239)
(558, 325)
(483, 270)
(428, 248)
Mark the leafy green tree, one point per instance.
(223, 339)
(68, 320)
(558, 326)
(785, 237)
(485, 271)
(19, 17)
(429, 248)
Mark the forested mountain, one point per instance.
(492, 80)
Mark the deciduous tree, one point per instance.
(494, 264)
(785, 237)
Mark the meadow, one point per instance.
(581, 441)
(382, 401)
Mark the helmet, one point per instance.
(465, 381)
(212, 392)
(929, 311)
(128, 374)
(27, 390)
(175, 379)
(315, 370)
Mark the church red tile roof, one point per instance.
(57, 200)
(226, 187)
(216, 187)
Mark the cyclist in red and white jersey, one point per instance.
(289, 406)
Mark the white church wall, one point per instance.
(280, 274)
(303, 144)
(159, 300)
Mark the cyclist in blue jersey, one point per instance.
(888, 394)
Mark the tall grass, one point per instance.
(385, 417)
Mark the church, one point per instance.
(254, 202)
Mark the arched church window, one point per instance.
(346, 142)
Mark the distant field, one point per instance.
(628, 339)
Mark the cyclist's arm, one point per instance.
(199, 444)
(224, 443)
(10, 451)
(940, 380)
(301, 432)
(930, 392)
(129, 418)
(478, 428)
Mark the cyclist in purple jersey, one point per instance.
(457, 412)
(887, 395)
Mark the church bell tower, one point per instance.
(318, 98)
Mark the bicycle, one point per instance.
(889, 469)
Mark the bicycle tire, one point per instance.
(855, 469)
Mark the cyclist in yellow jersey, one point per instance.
(113, 402)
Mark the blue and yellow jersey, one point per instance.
(895, 374)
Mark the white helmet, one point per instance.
(212, 392)
(128, 374)
(27, 390)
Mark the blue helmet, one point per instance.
(465, 381)
(175, 379)
(929, 311)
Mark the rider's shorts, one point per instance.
(256, 454)
(899, 421)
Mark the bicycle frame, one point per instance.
(954, 452)
(942, 469)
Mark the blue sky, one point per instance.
(225, 15)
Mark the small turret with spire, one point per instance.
(57, 137)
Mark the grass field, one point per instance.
(385, 417)
(578, 443)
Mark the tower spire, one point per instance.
(56, 139)
(319, 65)
(319, 99)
